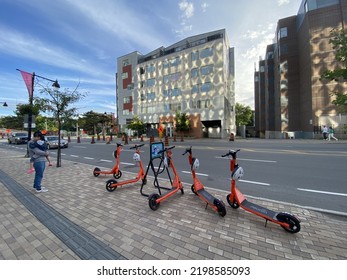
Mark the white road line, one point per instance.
(256, 160)
(323, 192)
(106, 160)
(74, 156)
(127, 163)
(254, 182)
(199, 174)
(88, 157)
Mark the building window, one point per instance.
(262, 69)
(125, 62)
(194, 72)
(127, 100)
(176, 92)
(282, 33)
(206, 52)
(166, 64)
(206, 87)
(126, 112)
(125, 75)
(150, 68)
(175, 61)
(195, 55)
(150, 82)
(195, 89)
(205, 70)
(150, 95)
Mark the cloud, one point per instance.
(187, 8)
(283, 2)
(204, 7)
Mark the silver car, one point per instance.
(52, 142)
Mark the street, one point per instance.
(308, 173)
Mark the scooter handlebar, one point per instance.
(188, 150)
(136, 146)
(166, 149)
(231, 153)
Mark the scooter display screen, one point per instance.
(156, 147)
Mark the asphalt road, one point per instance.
(309, 173)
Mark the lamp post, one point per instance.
(30, 86)
(4, 104)
(112, 123)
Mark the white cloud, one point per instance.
(283, 2)
(187, 8)
(204, 7)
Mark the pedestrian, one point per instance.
(331, 134)
(325, 132)
(39, 159)
(41, 144)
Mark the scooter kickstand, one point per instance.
(206, 206)
(266, 222)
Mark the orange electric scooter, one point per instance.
(115, 170)
(198, 188)
(235, 199)
(112, 184)
(166, 158)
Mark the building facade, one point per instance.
(293, 97)
(194, 76)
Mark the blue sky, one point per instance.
(78, 41)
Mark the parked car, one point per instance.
(18, 138)
(52, 142)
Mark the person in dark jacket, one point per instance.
(38, 155)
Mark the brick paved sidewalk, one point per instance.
(180, 229)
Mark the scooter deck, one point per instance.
(257, 209)
(209, 198)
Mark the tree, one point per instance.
(58, 102)
(182, 122)
(244, 115)
(137, 125)
(339, 74)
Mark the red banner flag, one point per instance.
(28, 80)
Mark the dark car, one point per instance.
(52, 142)
(18, 138)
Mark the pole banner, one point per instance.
(28, 80)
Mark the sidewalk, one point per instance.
(79, 219)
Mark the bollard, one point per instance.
(93, 140)
(141, 139)
(151, 139)
(232, 137)
(108, 140)
(166, 141)
(182, 140)
(174, 138)
(69, 138)
(78, 139)
(98, 137)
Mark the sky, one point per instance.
(78, 42)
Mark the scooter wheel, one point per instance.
(109, 185)
(220, 207)
(233, 203)
(96, 171)
(152, 201)
(193, 190)
(293, 222)
(117, 175)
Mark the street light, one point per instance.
(4, 104)
(29, 80)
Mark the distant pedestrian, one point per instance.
(325, 132)
(39, 158)
(331, 134)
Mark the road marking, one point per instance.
(74, 156)
(200, 174)
(323, 192)
(254, 182)
(127, 163)
(105, 160)
(256, 160)
(88, 157)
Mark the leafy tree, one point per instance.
(137, 125)
(58, 102)
(182, 122)
(91, 122)
(244, 115)
(339, 74)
